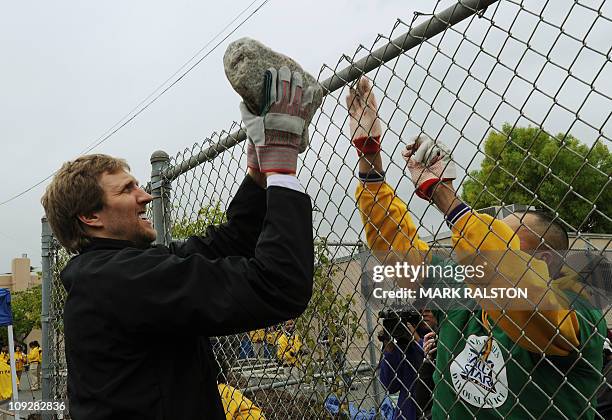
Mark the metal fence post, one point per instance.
(47, 278)
(366, 293)
(160, 190)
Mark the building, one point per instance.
(21, 276)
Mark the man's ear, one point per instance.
(91, 220)
(546, 256)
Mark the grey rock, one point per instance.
(245, 62)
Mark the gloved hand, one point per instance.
(364, 122)
(276, 132)
(429, 162)
(252, 161)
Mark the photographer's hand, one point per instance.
(430, 346)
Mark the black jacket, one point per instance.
(127, 308)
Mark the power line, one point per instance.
(175, 73)
(26, 190)
(137, 110)
(156, 97)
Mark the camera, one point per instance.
(394, 323)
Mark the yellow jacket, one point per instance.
(388, 226)
(6, 389)
(237, 406)
(288, 348)
(35, 355)
(20, 360)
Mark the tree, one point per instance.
(328, 314)
(524, 165)
(210, 214)
(26, 307)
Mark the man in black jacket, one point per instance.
(126, 296)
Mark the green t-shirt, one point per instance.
(513, 383)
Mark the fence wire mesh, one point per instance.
(520, 93)
(57, 369)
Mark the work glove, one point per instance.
(429, 162)
(252, 161)
(276, 131)
(363, 122)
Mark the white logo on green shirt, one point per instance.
(479, 381)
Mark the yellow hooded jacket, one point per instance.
(288, 348)
(35, 355)
(6, 389)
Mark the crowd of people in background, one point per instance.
(282, 343)
(24, 362)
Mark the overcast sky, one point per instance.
(72, 69)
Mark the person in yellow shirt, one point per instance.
(257, 340)
(289, 345)
(20, 361)
(6, 389)
(34, 360)
(4, 354)
(499, 360)
(272, 334)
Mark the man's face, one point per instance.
(123, 215)
(290, 325)
(529, 240)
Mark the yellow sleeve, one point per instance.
(508, 266)
(387, 222)
(237, 406)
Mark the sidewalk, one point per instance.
(24, 394)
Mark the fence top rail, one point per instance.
(415, 36)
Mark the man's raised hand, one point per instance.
(363, 114)
(276, 131)
(429, 162)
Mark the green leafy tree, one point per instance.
(210, 214)
(524, 165)
(26, 306)
(330, 315)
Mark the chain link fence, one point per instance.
(519, 90)
(54, 368)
